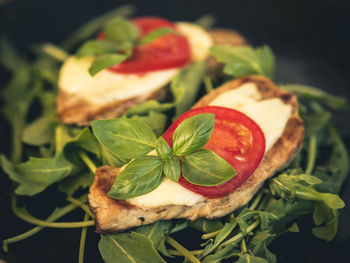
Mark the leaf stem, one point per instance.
(55, 52)
(210, 235)
(82, 241)
(208, 84)
(183, 251)
(63, 211)
(240, 234)
(311, 159)
(83, 206)
(88, 161)
(243, 246)
(36, 221)
(256, 200)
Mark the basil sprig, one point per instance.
(132, 139)
(121, 37)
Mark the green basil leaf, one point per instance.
(121, 30)
(128, 248)
(206, 168)
(106, 61)
(171, 169)
(163, 149)
(193, 133)
(97, 47)
(157, 33)
(241, 61)
(126, 138)
(139, 177)
(36, 174)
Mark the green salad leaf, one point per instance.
(122, 247)
(243, 60)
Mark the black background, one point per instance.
(311, 41)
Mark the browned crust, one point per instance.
(77, 110)
(113, 215)
(73, 109)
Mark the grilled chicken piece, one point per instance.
(114, 215)
(79, 110)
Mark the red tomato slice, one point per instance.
(236, 138)
(168, 51)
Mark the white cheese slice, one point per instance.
(199, 40)
(110, 87)
(271, 115)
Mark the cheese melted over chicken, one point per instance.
(110, 87)
(270, 114)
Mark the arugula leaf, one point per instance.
(157, 33)
(171, 169)
(308, 92)
(193, 133)
(139, 177)
(126, 138)
(260, 241)
(223, 234)
(121, 30)
(112, 159)
(71, 184)
(206, 226)
(9, 58)
(185, 87)
(155, 120)
(206, 168)
(242, 61)
(106, 61)
(122, 247)
(324, 214)
(40, 131)
(157, 233)
(36, 174)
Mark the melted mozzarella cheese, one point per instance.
(106, 86)
(199, 40)
(167, 193)
(110, 87)
(271, 115)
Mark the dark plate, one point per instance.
(309, 38)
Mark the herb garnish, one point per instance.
(131, 139)
(122, 37)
